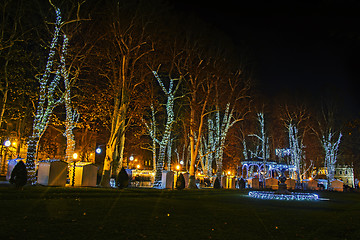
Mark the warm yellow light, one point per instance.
(178, 167)
(310, 178)
(75, 156)
(14, 144)
(228, 172)
(138, 166)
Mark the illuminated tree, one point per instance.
(170, 94)
(329, 138)
(262, 149)
(331, 148)
(47, 97)
(295, 124)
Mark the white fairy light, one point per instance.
(168, 127)
(331, 148)
(276, 196)
(46, 102)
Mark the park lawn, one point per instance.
(96, 213)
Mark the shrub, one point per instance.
(217, 183)
(19, 175)
(180, 182)
(122, 180)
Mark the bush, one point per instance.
(180, 182)
(217, 183)
(19, 175)
(122, 180)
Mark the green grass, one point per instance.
(95, 213)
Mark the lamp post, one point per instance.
(98, 150)
(131, 158)
(75, 156)
(177, 173)
(7, 144)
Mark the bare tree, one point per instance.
(9, 35)
(152, 131)
(128, 44)
(200, 88)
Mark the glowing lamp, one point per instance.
(138, 166)
(98, 150)
(182, 162)
(75, 156)
(131, 158)
(228, 172)
(7, 143)
(178, 167)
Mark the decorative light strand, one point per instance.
(46, 102)
(277, 196)
(331, 148)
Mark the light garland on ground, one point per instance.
(277, 196)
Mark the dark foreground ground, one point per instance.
(94, 213)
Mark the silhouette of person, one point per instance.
(19, 175)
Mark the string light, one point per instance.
(168, 127)
(277, 196)
(46, 102)
(331, 151)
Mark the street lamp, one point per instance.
(98, 150)
(75, 156)
(131, 158)
(7, 143)
(178, 167)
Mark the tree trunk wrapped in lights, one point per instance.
(47, 102)
(264, 141)
(221, 132)
(169, 153)
(170, 93)
(210, 148)
(331, 148)
(295, 123)
(296, 147)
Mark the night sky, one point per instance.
(308, 51)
